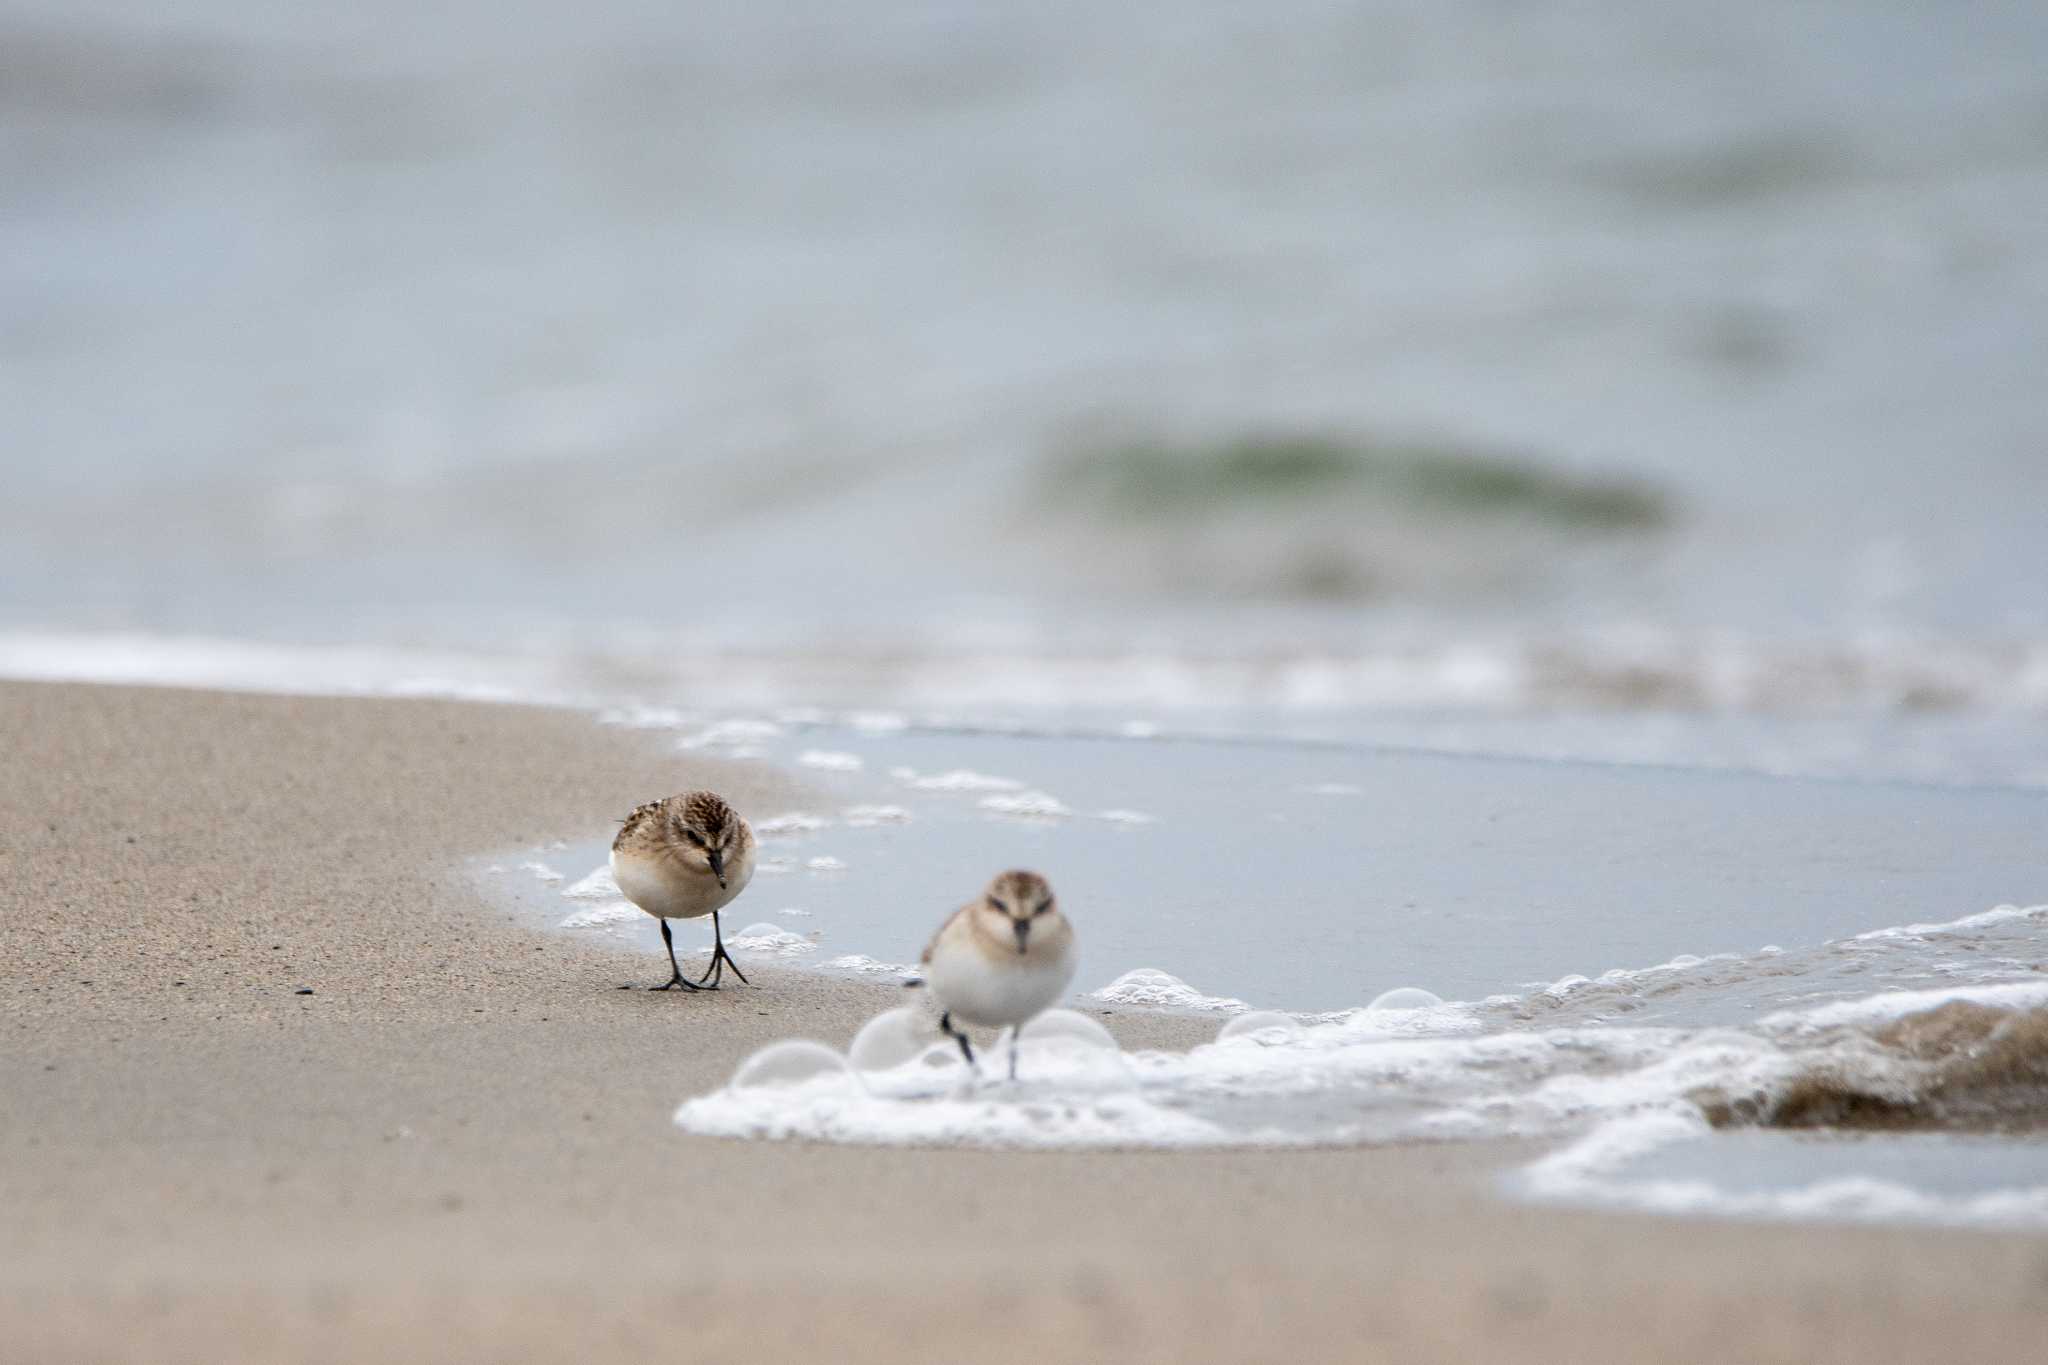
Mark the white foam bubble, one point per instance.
(789, 823)
(831, 760)
(2003, 914)
(1028, 805)
(1126, 817)
(763, 937)
(1067, 1062)
(862, 817)
(541, 871)
(1066, 1026)
(957, 780)
(603, 916)
(1151, 988)
(892, 1038)
(1261, 1026)
(791, 1063)
(1452, 1018)
(738, 732)
(1406, 998)
(1072, 1092)
(869, 966)
(595, 885)
(825, 864)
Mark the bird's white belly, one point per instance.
(668, 890)
(970, 987)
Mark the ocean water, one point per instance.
(630, 332)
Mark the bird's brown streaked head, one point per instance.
(1016, 906)
(703, 823)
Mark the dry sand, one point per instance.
(458, 1147)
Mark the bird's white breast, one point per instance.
(669, 889)
(990, 991)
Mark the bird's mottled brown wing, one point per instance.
(634, 823)
(943, 927)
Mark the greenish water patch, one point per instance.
(1732, 174)
(1157, 477)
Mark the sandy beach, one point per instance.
(458, 1145)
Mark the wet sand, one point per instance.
(458, 1146)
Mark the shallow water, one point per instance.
(1315, 878)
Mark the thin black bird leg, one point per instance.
(1015, 1029)
(676, 972)
(718, 936)
(946, 1027)
(720, 960)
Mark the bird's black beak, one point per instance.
(717, 866)
(1022, 929)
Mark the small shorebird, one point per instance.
(1000, 959)
(684, 858)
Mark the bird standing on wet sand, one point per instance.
(684, 858)
(1000, 959)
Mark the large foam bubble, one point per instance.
(891, 1039)
(1151, 988)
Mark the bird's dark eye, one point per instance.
(694, 837)
(1043, 907)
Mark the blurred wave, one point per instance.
(656, 329)
(1309, 515)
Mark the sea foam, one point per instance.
(595, 885)
(1412, 1068)
(1027, 805)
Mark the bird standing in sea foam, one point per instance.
(683, 858)
(1000, 959)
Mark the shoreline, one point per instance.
(460, 1142)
